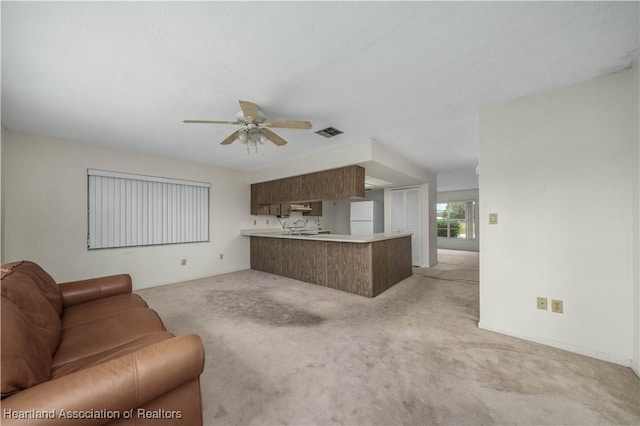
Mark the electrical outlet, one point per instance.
(184, 262)
(542, 303)
(493, 218)
(267, 221)
(556, 306)
(221, 256)
(254, 223)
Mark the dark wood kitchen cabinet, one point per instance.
(266, 255)
(290, 189)
(335, 184)
(283, 209)
(256, 195)
(316, 209)
(269, 192)
(364, 268)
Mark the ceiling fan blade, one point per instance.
(288, 124)
(249, 109)
(210, 122)
(232, 137)
(273, 137)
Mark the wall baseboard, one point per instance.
(562, 345)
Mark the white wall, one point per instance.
(458, 180)
(460, 243)
(44, 182)
(557, 167)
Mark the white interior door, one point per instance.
(398, 211)
(406, 217)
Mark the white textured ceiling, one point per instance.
(410, 75)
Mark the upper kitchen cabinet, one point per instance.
(276, 191)
(257, 194)
(290, 189)
(316, 209)
(335, 184)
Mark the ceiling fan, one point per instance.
(254, 127)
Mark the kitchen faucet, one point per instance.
(295, 229)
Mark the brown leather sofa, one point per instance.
(91, 352)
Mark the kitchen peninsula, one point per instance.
(365, 265)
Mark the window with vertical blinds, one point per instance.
(128, 210)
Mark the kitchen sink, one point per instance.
(315, 232)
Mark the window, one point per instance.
(456, 219)
(128, 210)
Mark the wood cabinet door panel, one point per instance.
(391, 263)
(316, 209)
(349, 267)
(257, 193)
(290, 189)
(310, 187)
(304, 260)
(254, 198)
(266, 254)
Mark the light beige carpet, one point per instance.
(280, 351)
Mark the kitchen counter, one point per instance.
(323, 237)
(365, 265)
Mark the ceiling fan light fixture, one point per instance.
(255, 127)
(254, 135)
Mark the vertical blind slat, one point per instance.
(129, 212)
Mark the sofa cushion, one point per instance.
(19, 287)
(100, 308)
(44, 282)
(109, 354)
(7, 268)
(91, 338)
(26, 360)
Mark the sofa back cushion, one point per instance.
(42, 280)
(26, 360)
(32, 313)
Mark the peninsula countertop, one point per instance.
(338, 238)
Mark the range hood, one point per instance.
(300, 208)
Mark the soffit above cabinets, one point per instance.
(372, 182)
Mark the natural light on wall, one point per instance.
(127, 210)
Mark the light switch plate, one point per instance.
(493, 218)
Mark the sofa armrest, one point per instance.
(114, 387)
(77, 292)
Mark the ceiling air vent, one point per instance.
(329, 132)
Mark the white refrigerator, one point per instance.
(367, 217)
